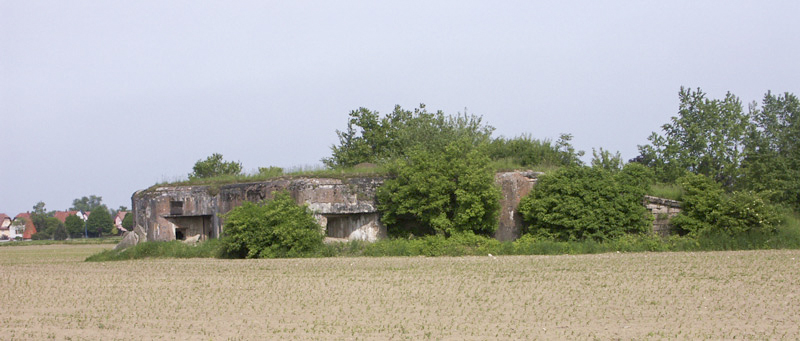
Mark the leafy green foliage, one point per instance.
(74, 226)
(270, 171)
(60, 232)
(445, 191)
(772, 162)
(370, 138)
(275, 228)
(214, 166)
(577, 203)
(705, 138)
(526, 151)
(86, 204)
(127, 222)
(49, 228)
(39, 217)
(606, 160)
(707, 209)
(99, 222)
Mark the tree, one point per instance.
(49, 228)
(441, 191)
(39, 217)
(39, 208)
(86, 204)
(772, 148)
(74, 226)
(99, 222)
(214, 166)
(375, 139)
(706, 138)
(605, 160)
(274, 228)
(127, 222)
(577, 203)
(60, 232)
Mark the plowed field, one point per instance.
(49, 292)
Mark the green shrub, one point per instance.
(374, 138)
(214, 166)
(707, 209)
(447, 191)
(275, 228)
(127, 222)
(579, 203)
(525, 151)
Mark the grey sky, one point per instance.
(107, 97)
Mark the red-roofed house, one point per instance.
(118, 221)
(62, 215)
(30, 229)
(6, 232)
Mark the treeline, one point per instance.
(373, 138)
(755, 150)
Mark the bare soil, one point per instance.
(50, 293)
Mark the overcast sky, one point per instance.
(108, 97)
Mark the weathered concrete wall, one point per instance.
(346, 208)
(167, 213)
(158, 212)
(514, 186)
(663, 210)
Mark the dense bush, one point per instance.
(74, 226)
(127, 222)
(707, 209)
(446, 192)
(526, 151)
(577, 203)
(275, 228)
(373, 138)
(99, 222)
(214, 166)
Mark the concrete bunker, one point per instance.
(346, 208)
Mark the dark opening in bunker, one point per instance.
(343, 225)
(337, 226)
(190, 226)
